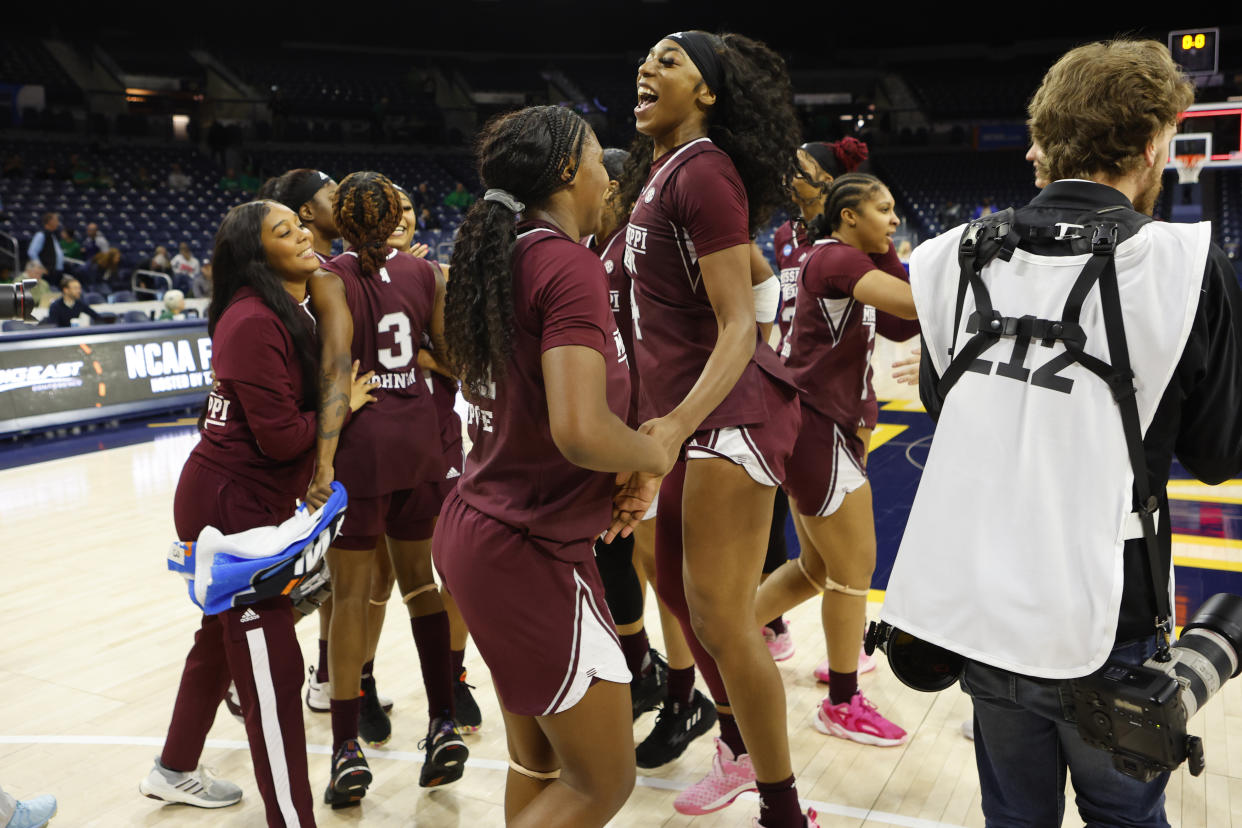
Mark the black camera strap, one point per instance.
(998, 235)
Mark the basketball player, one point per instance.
(718, 390)
(819, 163)
(627, 563)
(383, 458)
(252, 462)
(544, 369)
(850, 272)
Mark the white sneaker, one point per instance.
(968, 729)
(318, 693)
(199, 788)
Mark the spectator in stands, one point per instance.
(103, 257)
(143, 180)
(178, 180)
(249, 183)
(44, 249)
(159, 261)
(950, 214)
(69, 244)
(14, 167)
(428, 220)
(49, 173)
(70, 305)
(202, 282)
(421, 196)
(230, 182)
(174, 305)
(104, 180)
(985, 209)
(461, 198)
(185, 269)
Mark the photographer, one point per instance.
(1025, 548)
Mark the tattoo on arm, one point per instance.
(334, 398)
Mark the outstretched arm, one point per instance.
(336, 333)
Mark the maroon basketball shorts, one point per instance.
(535, 610)
(826, 465)
(763, 448)
(405, 515)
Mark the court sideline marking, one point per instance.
(482, 764)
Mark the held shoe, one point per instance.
(350, 776)
(373, 725)
(465, 708)
(647, 692)
(858, 721)
(866, 663)
(33, 813)
(318, 693)
(676, 727)
(200, 788)
(810, 821)
(780, 646)
(729, 778)
(446, 754)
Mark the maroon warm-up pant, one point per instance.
(254, 647)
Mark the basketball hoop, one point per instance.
(1188, 167)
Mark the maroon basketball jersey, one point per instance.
(693, 204)
(791, 251)
(258, 422)
(515, 473)
(393, 443)
(829, 346)
(620, 297)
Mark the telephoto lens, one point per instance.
(17, 300)
(1206, 656)
(918, 664)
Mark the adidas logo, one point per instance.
(452, 472)
(248, 616)
(694, 719)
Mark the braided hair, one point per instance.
(366, 211)
(530, 154)
(238, 261)
(846, 193)
(753, 121)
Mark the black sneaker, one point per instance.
(373, 724)
(675, 728)
(648, 692)
(446, 754)
(350, 776)
(465, 709)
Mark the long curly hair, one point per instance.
(238, 261)
(366, 210)
(753, 121)
(525, 153)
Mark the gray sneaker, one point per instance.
(199, 788)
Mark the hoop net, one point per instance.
(1188, 167)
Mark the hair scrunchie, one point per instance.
(506, 198)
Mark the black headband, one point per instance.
(701, 48)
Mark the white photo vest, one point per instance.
(1012, 555)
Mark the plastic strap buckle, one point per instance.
(1104, 239)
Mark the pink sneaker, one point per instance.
(729, 778)
(780, 646)
(858, 721)
(811, 818)
(866, 663)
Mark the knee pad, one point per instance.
(410, 596)
(527, 772)
(829, 585)
(622, 590)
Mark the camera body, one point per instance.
(1139, 714)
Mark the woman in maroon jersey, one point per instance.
(851, 273)
(819, 163)
(383, 460)
(713, 159)
(542, 365)
(253, 461)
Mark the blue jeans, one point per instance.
(1024, 745)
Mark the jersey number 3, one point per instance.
(402, 350)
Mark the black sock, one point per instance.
(777, 625)
(842, 686)
(730, 735)
(681, 685)
(367, 668)
(321, 672)
(778, 805)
